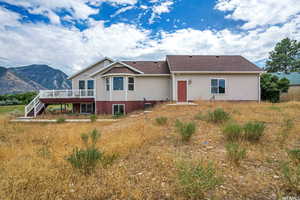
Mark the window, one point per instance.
(130, 83)
(81, 84)
(107, 84)
(218, 86)
(86, 108)
(118, 83)
(90, 84)
(118, 109)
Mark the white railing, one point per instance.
(38, 108)
(32, 104)
(76, 93)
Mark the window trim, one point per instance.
(113, 84)
(118, 104)
(84, 81)
(133, 84)
(87, 84)
(218, 79)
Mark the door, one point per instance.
(182, 91)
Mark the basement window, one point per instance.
(118, 109)
(218, 86)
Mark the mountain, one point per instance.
(32, 78)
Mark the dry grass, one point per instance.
(33, 166)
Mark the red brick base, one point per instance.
(105, 107)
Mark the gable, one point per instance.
(86, 72)
(120, 70)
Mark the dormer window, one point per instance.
(118, 83)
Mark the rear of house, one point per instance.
(119, 87)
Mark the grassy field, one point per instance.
(12, 109)
(150, 155)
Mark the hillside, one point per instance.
(151, 156)
(31, 78)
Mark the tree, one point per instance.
(271, 87)
(285, 57)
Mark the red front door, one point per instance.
(181, 91)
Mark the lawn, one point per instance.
(19, 109)
(151, 154)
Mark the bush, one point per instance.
(253, 131)
(291, 176)
(186, 130)
(233, 132)
(294, 154)
(195, 180)
(86, 159)
(218, 116)
(60, 120)
(235, 152)
(161, 120)
(178, 124)
(93, 118)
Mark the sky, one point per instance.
(73, 34)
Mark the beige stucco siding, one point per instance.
(150, 88)
(86, 75)
(238, 86)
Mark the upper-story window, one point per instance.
(90, 84)
(107, 84)
(217, 86)
(81, 84)
(118, 83)
(130, 83)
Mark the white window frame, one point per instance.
(87, 84)
(85, 112)
(133, 84)
(107, 84)
(113, 112)
(114, 83)
(218, 86)
(84, 84)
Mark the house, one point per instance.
(119, 87)
(293, 93)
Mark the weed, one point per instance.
(200, 116)
(235, 152)
(178, 124)
(195, 180)
(60, 120)
(253, 131)
(93, 118)
(218, 116)
(291, 176)
(108, 159)
(286, 127)
(294, 154)
(186, 130)
(86, 159)
(161, 120)
(233, 132)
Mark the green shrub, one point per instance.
(178, 124)
(60, 120)
(186, 130)
(93, 118)
(195, 180)
(161, 120)
(233, 132)
(294, 154)
(218, 116)
(235, 152)
(253, 131)
(200, 116)
(86, 159)
(291, 176)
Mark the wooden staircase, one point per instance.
(35, 107)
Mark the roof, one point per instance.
(117, 70)
(294, 77)
(150, 67)
(211, 63)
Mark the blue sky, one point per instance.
(72, 34)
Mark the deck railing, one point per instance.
(75, 93)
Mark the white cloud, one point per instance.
(122, 10)
(157, 10)
(259, 12)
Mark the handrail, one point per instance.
(74, 93)
(32, 104)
